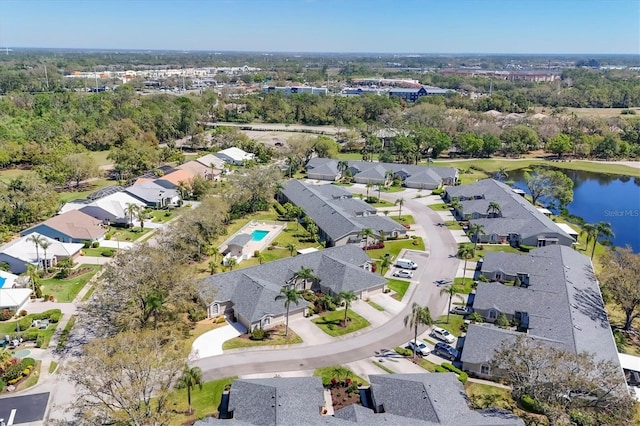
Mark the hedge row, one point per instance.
(281, 211)
(447, 367)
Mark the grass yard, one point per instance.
(339, 373)
(65, 290)
(52, 367)
(383, 203)
(453, 225)
(98, 252)
(331, 323)
(33, 378)
(440, 207)
(127, 234)
(44, 336)
(161, 216)
(404, 219)
(481, 249)
(276, 338)
(382, 367)
(391, 189)
(462, 287)
(394, 247)
(399, 287)
(204, 402)
(65, 333)
(9, 174)
(375, 306)
(454, 324)
(85, 190)
(428, 365)
(484, 396)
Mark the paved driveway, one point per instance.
(23, 409)
(210, 343)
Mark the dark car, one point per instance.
(446, 351)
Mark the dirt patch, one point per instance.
(343, 396)
(77, 272)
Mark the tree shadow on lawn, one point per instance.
(333, 324)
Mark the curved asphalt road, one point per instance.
(441, 264)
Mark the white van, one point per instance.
(406, 264)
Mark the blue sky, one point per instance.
(402, 26)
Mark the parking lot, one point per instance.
(23, 409)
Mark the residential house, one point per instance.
(211, 161)
(291, 90)
(552, 296)
(14, 293)
(340, 218)
(111, 209)
(398, 399)
(413, 94)
(237, 247)
(234, 155)
(516, 221)
(73, 226)
(174, 179)
(412, 176)
(150, 194)
(199, 169)
(22, 251)
(249, 294)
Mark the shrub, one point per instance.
(259, 334)
(256, 253)
(55, 317)
(6, 314)
(220, 320)
(525, 248)
(404, 351)
(108, 236)
(24, 323)
(438, 191)
(529, 404)
(109, 252)
(628, 112)
(26, 371)
(463, 377)
(2, 384)
(441, 369)
(30, 336)
(197, 314)
(578, 418)
(23, 313)
(13, 372)
(86, 244)
(502, 320)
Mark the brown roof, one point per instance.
(140, 181)
(198, 168)
(178, 176)
(77, 225)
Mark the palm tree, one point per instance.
(292, 248)
(304, 275)
(37, 240)
(131, 210)
(213, 266)
(385, 263)
(343, 166)
(476, 229)
(142, 216)
(502, 173)
(400, 202)
(450, 291)
(494, 209)
(419, 315)
(260, 257)
(379, 188)
(366, 233)
(465, 252)
(231, 262)
(214, 251)
(191, 377)
(32, 273)
(289, 295)
(347, 297)
(591, 232)
(382, 236)
(388, 176)
(368, 186)
(603, 230)
(456, 205)
(44, 245)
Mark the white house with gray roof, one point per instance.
(249, 294)
(517, 222)
(556, 299)
(412, 176)
(340, 217)
(400, 399)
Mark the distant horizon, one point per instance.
(514, 27)
(310, 52)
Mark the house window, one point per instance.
(484, 369)
(215, 309)
(493, 314)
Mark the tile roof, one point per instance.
(176, 176)
(196, 168)
(209, 159)
(253, 290)
(74, 224)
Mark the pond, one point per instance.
(599, 197)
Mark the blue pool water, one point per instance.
(258, 235)
(2, 281)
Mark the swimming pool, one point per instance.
(2, 281)
(258, 235)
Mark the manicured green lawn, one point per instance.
(66, 290)
(375, 306)
(33, 378)
(44, 336)
(394, 247)
(481, 249)
(452, 224)
(339, 373)
(400, 287)
(330, 323)
(8, 174)
(462, 287)
(494, 164)
(382, 203)
(127, 234)
(276, 337)
(382, 367)
(161, 216)
(100, 157)
(439, 207)
(405, 219)
(485, 396)
(391, 189)
(204, 402)
(85, 190)
(97, 252)
(428, 365)
(454, 324)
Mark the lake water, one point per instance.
(600, 197)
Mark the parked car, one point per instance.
(461, 310)
(406, 264)
(442, 334)
(446, 351)
(421, 348)
(402, 273)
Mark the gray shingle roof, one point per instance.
(563, 299)
(517, 215)
(150, 192)
(253, 290)
(336, 214)
(359, 167)
(240, 240)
